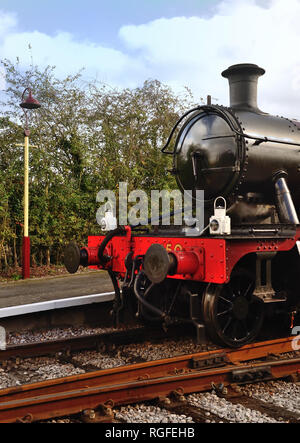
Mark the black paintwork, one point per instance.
(236, 151)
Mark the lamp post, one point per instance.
(28, 104)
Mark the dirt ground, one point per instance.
(15, 273)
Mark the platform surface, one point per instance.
(53, 288)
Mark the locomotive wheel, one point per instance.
(232, 315)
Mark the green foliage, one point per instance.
(89, 137)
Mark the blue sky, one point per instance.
(179, 42)
(98, 20)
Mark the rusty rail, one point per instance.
(73, 344)
(145, 381)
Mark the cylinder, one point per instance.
(186, 262)
(89, 256)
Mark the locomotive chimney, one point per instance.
(243, 80)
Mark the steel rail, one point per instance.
(71, 344)
(140, 382)
(135, 334)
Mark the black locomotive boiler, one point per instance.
(247, 262)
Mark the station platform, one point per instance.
(40, 294)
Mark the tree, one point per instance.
(89, 137)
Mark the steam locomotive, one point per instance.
(246, 263)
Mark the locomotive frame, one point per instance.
(206, 264)
(222, 284)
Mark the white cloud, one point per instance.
(193, 51)
(68, 55)
(183, 51)
(7, 22)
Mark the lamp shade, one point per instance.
(30, 102)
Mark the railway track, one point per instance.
(72, 344)
(148, 380)
(134, 334)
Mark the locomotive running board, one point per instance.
(262, 231)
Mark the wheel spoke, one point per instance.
(227, 324)
(224, 312)
(232, 313)
(248, 289)
(225, 299)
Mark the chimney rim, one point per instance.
(241, 68)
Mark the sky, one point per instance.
(182, 43)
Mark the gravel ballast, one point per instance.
(226, 410)
(142, 413)
(16, 372)
(280, 393)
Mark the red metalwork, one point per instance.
(209, 260)
(189, 262)
(26, 257)
(92, 253)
